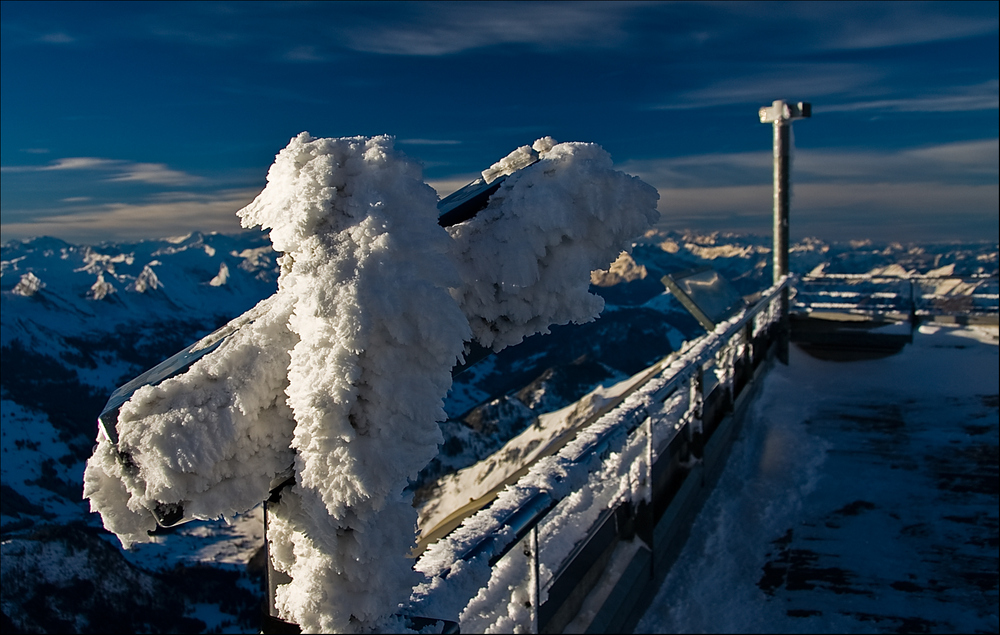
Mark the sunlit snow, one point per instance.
(344, 371)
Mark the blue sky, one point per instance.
(143, 120)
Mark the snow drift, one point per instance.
(345, 369)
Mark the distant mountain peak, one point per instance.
(101, 289)
(624, 269)
(29, 285)
(146, 281)
(220, 278)
(97, 262)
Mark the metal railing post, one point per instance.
(782, 129)
(534, 582)
(695, 405)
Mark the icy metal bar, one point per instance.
(466, 202)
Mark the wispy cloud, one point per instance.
(429, 142)
(209, 37)
(852, 26)
(116, 170)
(884, 211)
(705, 170)
(958, 99)
(154, 173)
(974, 162)
(947, 189)
(56, 38)
(424, 29)
(161, 215)
(442, 28)
(975, 155)
(71, 163)
(305, 53)
(887, 24)
(18, 33)
(966, 162)
(786, 80)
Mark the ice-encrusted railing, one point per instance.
(494, 572)
(916, 295)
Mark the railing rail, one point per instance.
(913, 295)
(600, 483)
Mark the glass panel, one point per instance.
(705, 291)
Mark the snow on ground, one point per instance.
(233, 545)
(37, 478)
(860, 497)
(464, 394)
(546, 435)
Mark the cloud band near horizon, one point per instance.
(950, 190)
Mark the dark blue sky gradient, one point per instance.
(125, 120)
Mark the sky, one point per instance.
(125, 121)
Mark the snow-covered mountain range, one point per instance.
(78, 321)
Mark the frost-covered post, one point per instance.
(781, 115)
(534, 581)
(335, 385)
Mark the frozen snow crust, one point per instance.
(345, 370)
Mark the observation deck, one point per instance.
(863, 469)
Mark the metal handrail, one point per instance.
(893, 276)
(972, 300)
(465, 556)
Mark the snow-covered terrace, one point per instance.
(527, 560)
(861, 496)
(911, 436)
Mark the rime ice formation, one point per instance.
(526, 259)
(344, 371)
(212, 438)
(368, 268)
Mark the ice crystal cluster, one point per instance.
(343, 372)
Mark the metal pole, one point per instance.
(781, 115)
(535, 582)
(782, 128)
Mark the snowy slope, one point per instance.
(77, 321)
